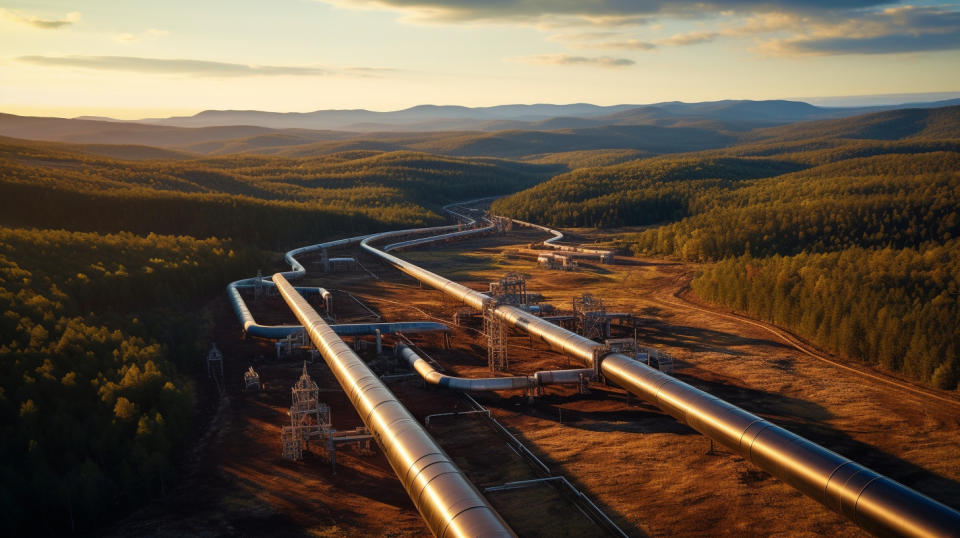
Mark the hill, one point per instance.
(850, 237)
(267, 201)
(745, 113)
(114, 132)
(654, 129)
(924, 123)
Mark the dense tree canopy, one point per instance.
(97, 333)
(851, 243)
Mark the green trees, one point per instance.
(897, 308)
(93, 408)
(850, 243)
(99, 330)
(271, 202)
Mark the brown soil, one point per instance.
(652, 475)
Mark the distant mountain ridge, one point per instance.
(736, 115)
(643, 131)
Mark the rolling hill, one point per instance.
(845, 231)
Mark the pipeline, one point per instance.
(558, 235)
(483, 384)
(447, 501)
(297, 270)
(872, 501)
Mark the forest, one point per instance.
(100, 344)
(271, 202)
(106, 266)
(850, 242)
(108, 255)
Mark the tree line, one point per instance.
(850, 243)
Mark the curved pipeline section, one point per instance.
(558, 235)
(448, 502)
(485, 384)
(463, 384)
(871, 500)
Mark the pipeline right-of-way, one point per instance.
(447, 500)
(873, 501)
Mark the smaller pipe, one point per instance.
(483, 384)
(379, 341)
(464, 384)
(327, 302)
(563, 377)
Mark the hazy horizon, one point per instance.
(852, 101)
(134, 61)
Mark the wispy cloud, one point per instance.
(37, 22)
(884, 44)
(203, 68)
(582, 36)
(893, 30)
(786, 27)
(152, 33)
(598, 12)
(627, 44)
(692, 38)
(567, 59)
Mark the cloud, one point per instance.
(582, 36)
(885, 44)
(891, 31)
(603, 12)
(152, 33)
(567, 59)
(37, 22)
(787, 27)
(203, 68)
(629, 44)
(691, 38)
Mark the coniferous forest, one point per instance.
(108, 254)
(851, 242)
(104, 267)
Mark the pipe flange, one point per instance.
(599, 353)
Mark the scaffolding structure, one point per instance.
(291, 443)
(511, 289)
(251, 381)
(626, 346)
(501, 224)
(463, 315)
(655, 358)
(215, 368)
(308, 415)
(496, 334)
(310, 419)
(591, 317)
(290, 344)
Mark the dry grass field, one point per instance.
(652, 475)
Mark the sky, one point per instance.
(134, 59)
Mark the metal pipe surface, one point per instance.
(484, 384)
(448, 502)
(463, 384)
(872, 501)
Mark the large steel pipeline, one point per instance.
(486, 384)
(297, 270)
(872, 501)
(447, 501)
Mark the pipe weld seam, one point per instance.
(826, 486)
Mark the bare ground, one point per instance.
(651, 474)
